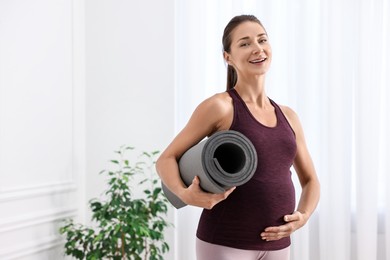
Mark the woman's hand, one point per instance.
(195, 196)
(294, 222)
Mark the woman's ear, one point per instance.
(226, 56)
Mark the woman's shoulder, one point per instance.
(217, 102)
(291, 115)
(218, 109)
(287, 111)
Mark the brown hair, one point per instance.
(227, 41)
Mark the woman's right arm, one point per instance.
(212, 115)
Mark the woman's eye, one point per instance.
(244, 44)
(262, 40)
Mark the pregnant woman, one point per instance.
(253, 221)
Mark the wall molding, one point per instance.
(7, 225)
(29, 249)
(32, 211)
(26, 192)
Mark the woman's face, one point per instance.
(250, 51)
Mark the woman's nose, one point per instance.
(257, 49)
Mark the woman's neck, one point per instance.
(253, 91)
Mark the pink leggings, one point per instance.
(207, 251)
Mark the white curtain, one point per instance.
(331, 64)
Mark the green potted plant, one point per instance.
(127, 227)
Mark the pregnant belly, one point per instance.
(247, 212)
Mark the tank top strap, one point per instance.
(282, 119)
(240, 113)
(233, 94)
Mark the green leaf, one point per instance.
(156, 192)
(98, 238)
(139, 219)
(125, 178)
(146, 154)
(117, 228)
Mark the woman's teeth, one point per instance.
(258, 60)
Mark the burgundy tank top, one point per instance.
(263, 201)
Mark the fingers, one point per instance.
(200, 198)
(195, 185)
(276, 233)
(294, 221)
(227, 192)
(218, 197)
(196, 180)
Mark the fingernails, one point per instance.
(264, 238)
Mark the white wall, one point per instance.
(41, 125)
(130, 82)
(69, 97)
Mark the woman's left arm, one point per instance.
(310, 194)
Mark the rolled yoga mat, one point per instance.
(221, 161)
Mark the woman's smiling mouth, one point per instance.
(257, 61)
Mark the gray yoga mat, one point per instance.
(221, 161)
